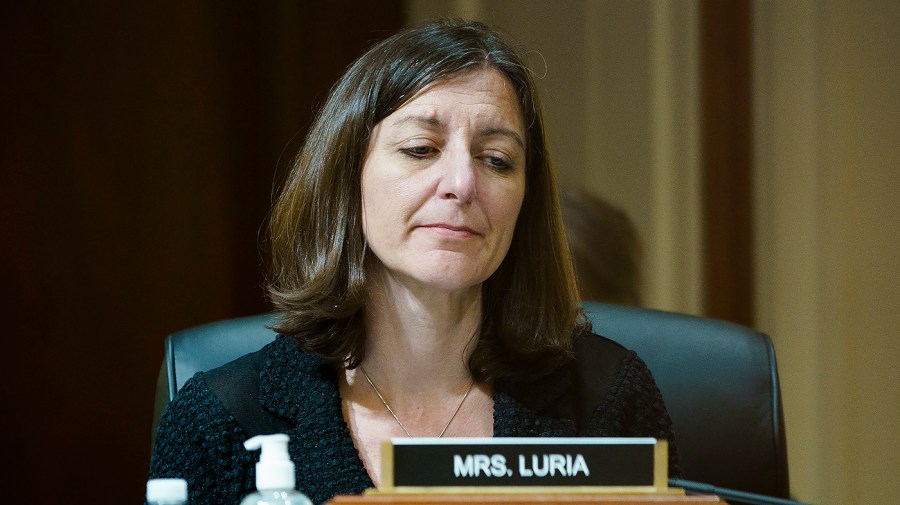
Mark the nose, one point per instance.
(458, 175)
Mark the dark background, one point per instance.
(139, 149)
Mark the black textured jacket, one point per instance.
(606, 391)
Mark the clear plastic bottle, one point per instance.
(275, 479)
(166, 492)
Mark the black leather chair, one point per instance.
(719, 381)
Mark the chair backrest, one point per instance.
(719, 381)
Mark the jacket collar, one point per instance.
(295, 385)
(302, 389)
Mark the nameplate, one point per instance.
(505, 464)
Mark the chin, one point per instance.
(448, 272)
(443, 279)
(452, 284)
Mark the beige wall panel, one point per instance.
(828, 158)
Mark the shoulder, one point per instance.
(621, 393)
(598, 357)
(599, 369)
(200, 436)
(241, 377)
(576, 389)
(198, 440)
(244, 386)
(238, 377)
(603, 367)
(612, 393)
(202, 404)
(194, 406)
(602, 388)
(208, 400)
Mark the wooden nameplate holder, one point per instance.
(525, 470)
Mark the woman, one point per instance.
(423, 284)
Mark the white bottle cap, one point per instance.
(166, 490)
(275, 469)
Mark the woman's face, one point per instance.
(443, 182)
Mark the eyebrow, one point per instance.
(435, 123)
(506, 132)
(422, 120)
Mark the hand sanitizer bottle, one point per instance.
(166, 492)
(275, 479)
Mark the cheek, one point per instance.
(377, 216)
(386, 208)
(509, 204)
(372, 186)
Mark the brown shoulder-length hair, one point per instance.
(317, 277)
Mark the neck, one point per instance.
(419, 340)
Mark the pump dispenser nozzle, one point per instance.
(275, 469)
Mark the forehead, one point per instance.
(483, 94)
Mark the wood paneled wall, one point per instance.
(727, 159)
(139, 148)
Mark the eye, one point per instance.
(498, 163)
(422, 151)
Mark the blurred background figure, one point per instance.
(605, 248)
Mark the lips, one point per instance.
(450, 229)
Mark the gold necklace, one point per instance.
(389, 409)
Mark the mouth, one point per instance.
(450, 230)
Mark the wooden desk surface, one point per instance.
(518, 499)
